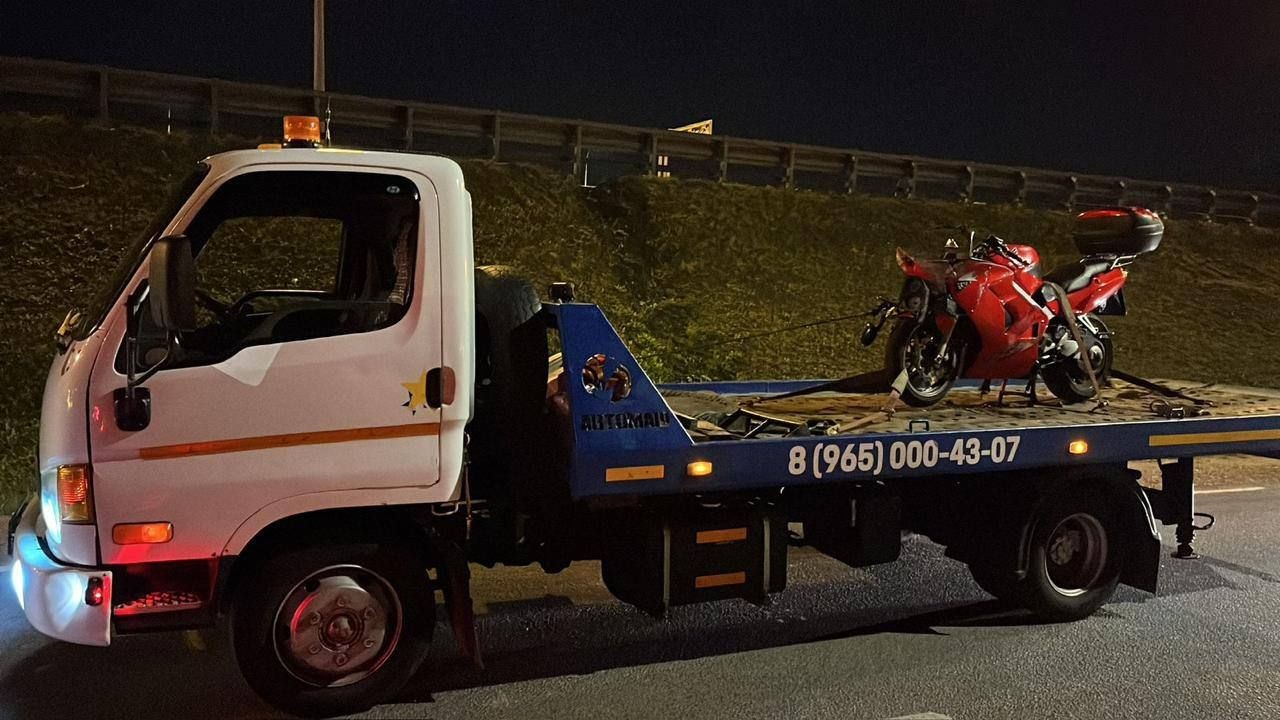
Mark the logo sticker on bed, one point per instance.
(625, 421)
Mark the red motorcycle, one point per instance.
(991, 315)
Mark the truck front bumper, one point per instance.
(53, 594)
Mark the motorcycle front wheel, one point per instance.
(914, 347)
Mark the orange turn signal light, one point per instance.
(301, 131)
(152, 533)
(1078, 447)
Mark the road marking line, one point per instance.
(1217, 491)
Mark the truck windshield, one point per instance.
(128, 263)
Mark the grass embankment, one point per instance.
(677, 265)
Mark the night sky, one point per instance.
(1175, 91)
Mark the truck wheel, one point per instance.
(504, 301)
(332, 630)
(508, 432)
(1074, 561)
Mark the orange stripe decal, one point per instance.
(1212, 437)
(267, 442)
(729, 535)
(710, 581)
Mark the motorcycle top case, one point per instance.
(1117, 231)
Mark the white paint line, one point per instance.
(1219, 491)
(922, 716)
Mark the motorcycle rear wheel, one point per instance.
(1070, 383)
(913, 346)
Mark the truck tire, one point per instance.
(505, 301)
(508, 430)
(335, 629)
(1073, 563)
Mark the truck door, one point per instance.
(305, 384)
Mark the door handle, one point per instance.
(441, 387)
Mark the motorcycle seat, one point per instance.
(1076, 276)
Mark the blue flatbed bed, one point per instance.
(652, 443)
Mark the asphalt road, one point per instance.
(911, 638)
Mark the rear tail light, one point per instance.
(75, 494)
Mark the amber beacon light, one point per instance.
(301, 131)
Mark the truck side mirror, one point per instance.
(173, 284)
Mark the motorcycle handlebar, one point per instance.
(1000, 246)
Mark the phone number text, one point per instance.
(871, 457)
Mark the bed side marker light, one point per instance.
(1078, 447)
(699, 468)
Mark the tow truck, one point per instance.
(309, 461)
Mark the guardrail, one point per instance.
(590, 151)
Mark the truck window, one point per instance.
(284, 256)
(109, 293)
(251, 253)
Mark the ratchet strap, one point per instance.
(1069, 317)
(1160, 389)
(875, 381)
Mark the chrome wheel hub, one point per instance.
(337, 626)
(1076, 554)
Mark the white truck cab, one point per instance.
(328, 365)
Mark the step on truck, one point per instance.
(297, 410)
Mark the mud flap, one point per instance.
(455, 580)
(1142, 559)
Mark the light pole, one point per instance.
(317, 46)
